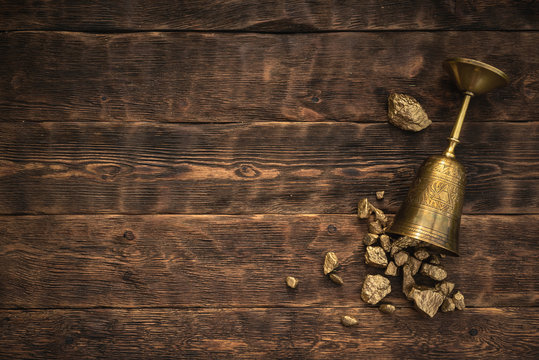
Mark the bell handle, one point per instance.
(455, 133)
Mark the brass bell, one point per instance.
(432, 209)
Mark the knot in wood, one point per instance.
(332, 229)
(247, 171)
(128, 235)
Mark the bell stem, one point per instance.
(455, 133)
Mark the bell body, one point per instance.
(432, 209)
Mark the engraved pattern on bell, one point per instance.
(439, 187)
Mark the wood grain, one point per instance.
(267, 334)
(238, 261)
(297, 16)
(144, 168)
(208, 77)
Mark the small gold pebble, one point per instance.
(370, 239)
(387, 308)
(380, 195)
(448, 305)
(385, 243)
(421, 254)
(375, 228)
(364, 209)
(336, 279)
(348, 320)
(330, 262)
(292, 282)
(380, 216)
(391, 269)
(458, 299)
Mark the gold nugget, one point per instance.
(391, 269)
(330, 262)
(336, 279)
(292, 282)
(375, 288)
(387, 308)
(375, 256)
(375, 228)
(347, 320)
(364, 209)
(458, 299)
(406, 113)
(385, 242)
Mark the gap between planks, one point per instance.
(244, 307)
(250, 123)
(284, 32)
(229, 215)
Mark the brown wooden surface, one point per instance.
(144, 168)
(268, 15)
(274, 333)
(208, 77)
(164, 165)
(238, 261)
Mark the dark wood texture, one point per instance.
(165, 164)
(262, 333)
(143, 168)
(207, 77)
(184, 261)
(267, 15)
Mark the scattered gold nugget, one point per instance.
(364, 209)
(336, 279)
(414, 264)
(445, 287)
(391, 269)
(292, 282)
(375, 256)
(369, 239)
(434, 272)
(375, 228)
(387, 308)
(421, 254)
(448, 305)
(406, 113)
(407, 280)
(347, 320)
(380, 195)
(458, 299)
(330, 262)
(380, 216)
(375, 288)
(385, 242)
(401, 258)
(428, 301)
(403, 243)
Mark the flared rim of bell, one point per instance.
(440, 248)
(474, 76)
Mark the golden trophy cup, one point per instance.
(432, 209)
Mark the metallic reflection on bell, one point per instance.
(432, 209)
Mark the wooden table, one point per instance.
(164, 165)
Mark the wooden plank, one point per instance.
(299, 15)
(144, 168)
(206, 77)
(268, 334)
(183, 261)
